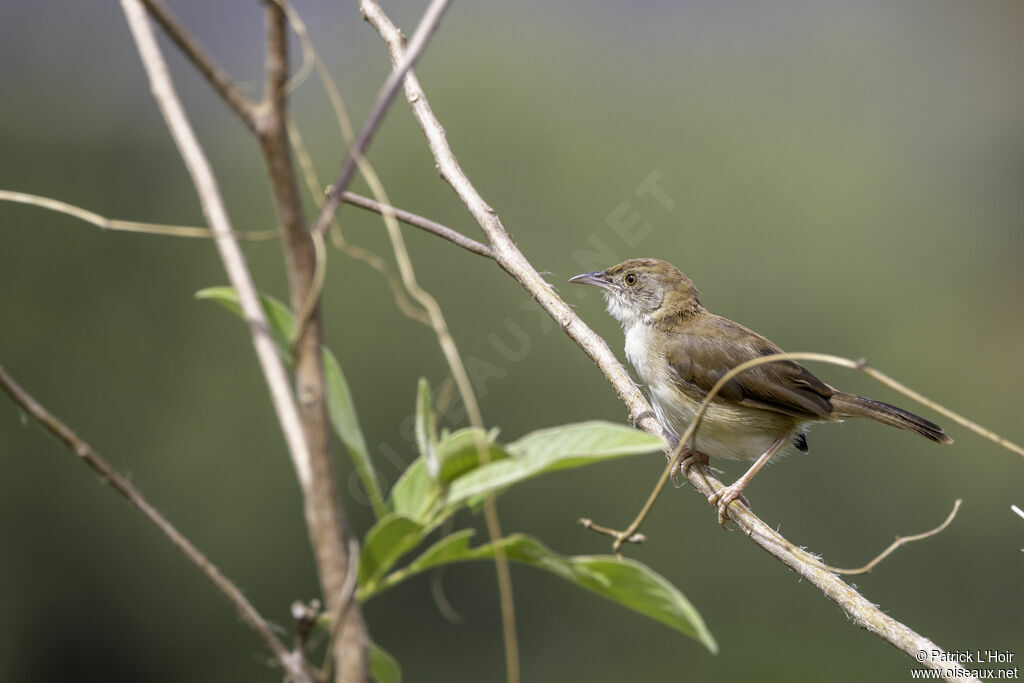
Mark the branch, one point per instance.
(305, 261)
(105, 223)
(429, 304)
(293, 665)
(900, 541)
(218, 78)
(515, 264)
(419, 41)
(230, 253)
(417, 221)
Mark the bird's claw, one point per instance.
(723, 498)
(685, 460)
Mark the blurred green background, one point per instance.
(841, 176)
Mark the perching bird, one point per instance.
(680, 351)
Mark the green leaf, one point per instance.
(383, 667)
(459, 452)
(548, 450)
(414, 492)
(426, 438)
(630, 583)
(390, 538)
(340, 406)
(342, 411)
(279, 317)
(416, 495)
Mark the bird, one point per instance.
(680, 350)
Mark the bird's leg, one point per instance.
(725, 496)
(685, 460)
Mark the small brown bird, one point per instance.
(680, 351)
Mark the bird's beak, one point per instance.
(597, 278)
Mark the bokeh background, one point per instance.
(842, 176)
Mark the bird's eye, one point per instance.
(630, 279)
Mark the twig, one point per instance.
(430, 305)
(409, 218)
(294, 666)
(900, 540)
(942, 410)
(337, 615)
(305, 261)
(230, 253)
(127, 226)
(218, 78)
(588, 523)
(425, 29)
(512, 261)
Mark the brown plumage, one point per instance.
(681, 350)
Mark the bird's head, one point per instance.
(644, 290)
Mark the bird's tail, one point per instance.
(849, 405)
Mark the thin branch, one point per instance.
(127, 226)
(425, 29)
(942, 410)
(306, 261)
(346, 247)
(214, 74)
(294, 666)
(230, 253)
(436, 317)
(417, 221)
(337, 614)
(900, 541)
(513, 262)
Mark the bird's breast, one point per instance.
(727, 430)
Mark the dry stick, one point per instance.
(420, 38)
(304, 258)
(126, 226)
(344, 124)
(355, 251)
(409, 218)
(445, 340)
(512, 261)
(317, 518)
(218, 78)
(337, 614)
(900, 541)
(230, 253)
(293, 665)
(428, 24)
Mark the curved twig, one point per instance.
(900, 541)
(105, 223)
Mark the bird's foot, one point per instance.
(684, 461)
(723, 498)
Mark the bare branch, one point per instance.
(346, 247)
(204, 63)
(294, 666)
(900, 541)
(419, 41)
(409, 218)
(513, 262)
(429, 304)
(306, 260)
(127, 226)
(230, 253)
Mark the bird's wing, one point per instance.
(711, 346)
